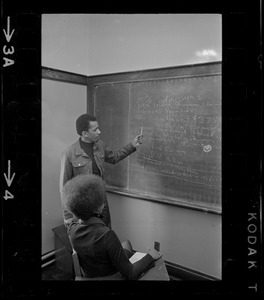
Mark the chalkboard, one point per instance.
(180, 112)
(112, 110)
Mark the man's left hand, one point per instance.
(138, 140)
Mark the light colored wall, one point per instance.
(189, 238)
(93, 44)
(62, 103)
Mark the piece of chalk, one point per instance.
(141, 130)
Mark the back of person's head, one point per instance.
(83, 195)
(83, 123)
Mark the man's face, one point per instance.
(92, 135)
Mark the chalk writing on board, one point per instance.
(187, 173)
(182, 131)
(180, 119)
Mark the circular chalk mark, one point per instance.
(207, 148)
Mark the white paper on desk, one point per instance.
(136, 256)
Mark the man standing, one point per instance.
(87, 156)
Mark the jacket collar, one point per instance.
(93, 220)
(79, 150)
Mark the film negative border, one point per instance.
(21, 159)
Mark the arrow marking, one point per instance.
(7, 178)
(7, 33)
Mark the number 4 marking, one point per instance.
(9, 180)
(8, 195)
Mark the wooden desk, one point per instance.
(158, 272)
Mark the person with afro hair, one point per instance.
(98, 247)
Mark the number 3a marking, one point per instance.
(8, 195)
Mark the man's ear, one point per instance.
(84, 133)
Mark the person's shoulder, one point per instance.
(73, 226)
(111, 239)
(71, 147)
(100, 144)
(110, 233)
